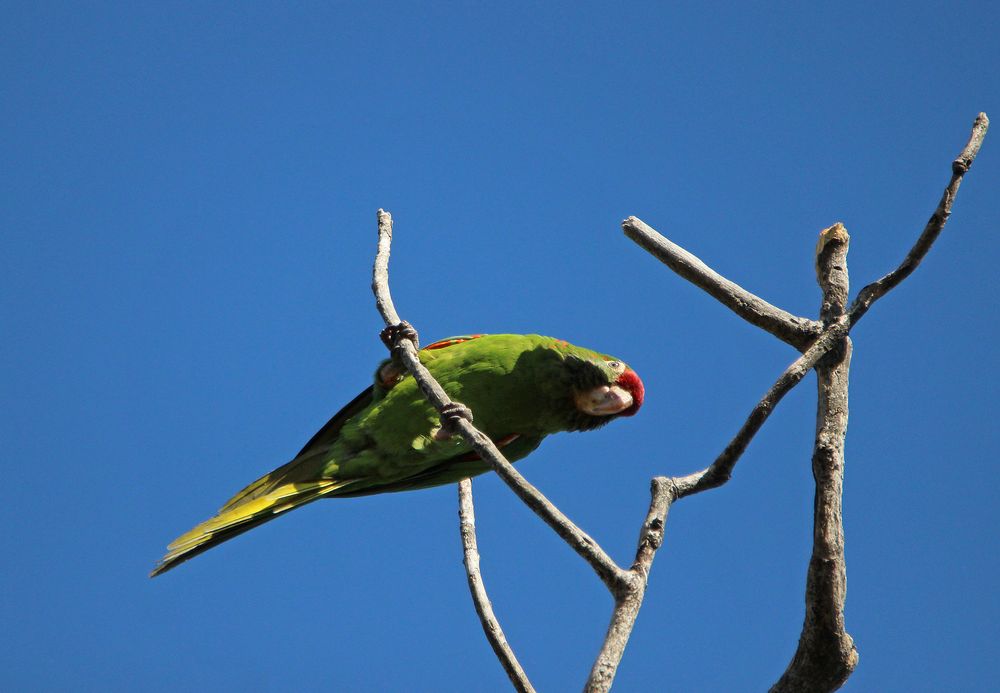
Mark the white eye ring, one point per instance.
(614, 365)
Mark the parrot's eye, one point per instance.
(614, 365)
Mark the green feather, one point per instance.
(520, 388)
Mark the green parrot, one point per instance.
(521, 388)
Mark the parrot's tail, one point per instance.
(237, 517)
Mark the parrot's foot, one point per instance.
(392, 336)
(394, 333)
(450, 415)
(390, 374)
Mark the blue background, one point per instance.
(188, 215)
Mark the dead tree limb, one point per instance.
(959, 167)
(797, 331)
(826, 655)
(484, 609)
(628, 602)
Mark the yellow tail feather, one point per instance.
(271, 481)
(236, 518)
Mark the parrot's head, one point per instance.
(605, 388)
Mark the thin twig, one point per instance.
(721, 469)
(628, 603)
(826, 655)
(959, 167)
(795, 330)
(663, 492)
(579, 541)
(380, 272)
(491, 627)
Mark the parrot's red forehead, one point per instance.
(631, 382)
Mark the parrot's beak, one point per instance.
(604, 400)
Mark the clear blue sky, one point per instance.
(188, 218)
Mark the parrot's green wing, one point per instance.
(331, 429)
(296, 483)
(309, 455)
(451, 470)
(521, 388)
(328, 434)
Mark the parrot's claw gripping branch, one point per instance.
(391, 336)
(451, 414)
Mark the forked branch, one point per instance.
(795, 330)
(826, 654)
(579, 541)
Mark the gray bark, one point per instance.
(826, 655)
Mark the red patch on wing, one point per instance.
(629, 380)
(451, 341)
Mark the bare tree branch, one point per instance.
(491, 627)
(721, 469)
(609, 572)
(959, 167)
(797, 331)
(826, 655)
(628, 602)
(665, 491)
